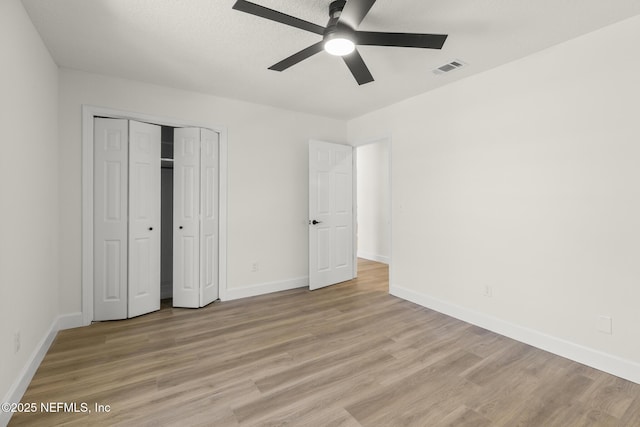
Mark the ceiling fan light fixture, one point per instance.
(341, 34)
(339, 46)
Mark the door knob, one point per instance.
(150, 228)
(314, 222)
(180, 227)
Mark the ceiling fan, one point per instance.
(340, 36)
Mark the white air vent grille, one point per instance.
(453, 65)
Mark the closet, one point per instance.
(155, 217)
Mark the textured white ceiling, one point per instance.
(205, 46)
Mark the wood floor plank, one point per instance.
(464, 417)
(347, 355)
(632, 416)
(308, 387)
(401, 399)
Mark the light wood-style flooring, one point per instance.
(347, 355)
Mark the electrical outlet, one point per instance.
(488, 291)
(254, 267)
(604, 325)
(16, 342)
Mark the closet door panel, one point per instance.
(144, 218)
(110, 219)
(209, 214)
(186, 217)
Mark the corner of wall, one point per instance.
(20, 385)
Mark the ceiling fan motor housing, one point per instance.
(332, 31)
(335, 8)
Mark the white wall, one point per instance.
(28, 193)
(267, 174)
(526, 178)
(374, 201)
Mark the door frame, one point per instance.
(388, 139)
(89, 112)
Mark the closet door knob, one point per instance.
(180, 227)
(150, 228)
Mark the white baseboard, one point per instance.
(68, 321)
(266, 288)
(374, 257)
(15, 393)
(609, 363)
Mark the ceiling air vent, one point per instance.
(453, 65)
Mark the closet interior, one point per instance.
(166, 213)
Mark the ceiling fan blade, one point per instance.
(358, 68)
(354, 12)
(298, 57)
(274, 15)
(427, 41)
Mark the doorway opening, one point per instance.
(349, 210)
(373, 203)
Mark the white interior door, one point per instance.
(144, 218)
(330, 214)
(110, 204)
(186, 221)
(209, 142)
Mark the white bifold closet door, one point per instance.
(195, 217)
(126, 218)
(110, 207)
(144, 218)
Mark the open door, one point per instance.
(331, 257)
(126, 218)
(144, 218)
(127, 214)
(209, 181)
(186, 217)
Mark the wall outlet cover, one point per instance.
(604, 324)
